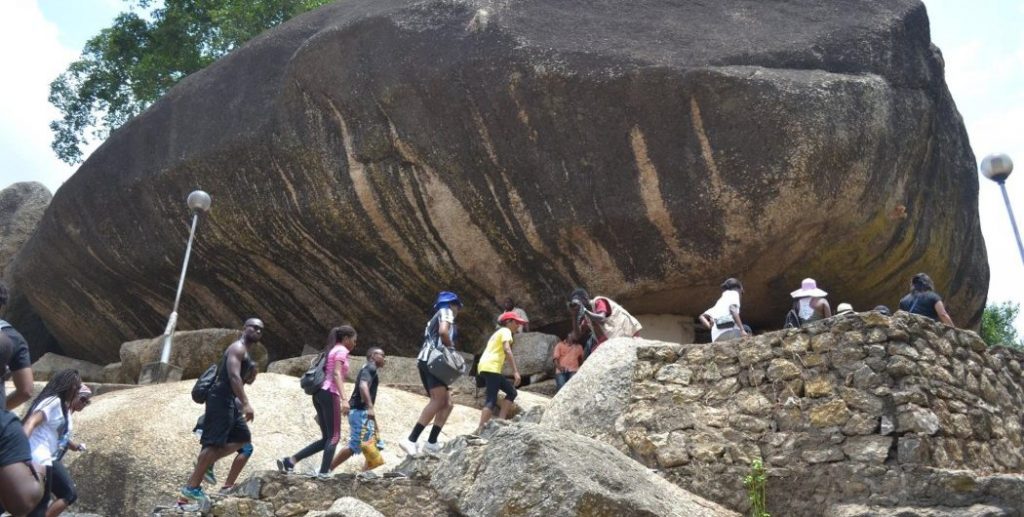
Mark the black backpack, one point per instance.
(314, 378)
(204, 384)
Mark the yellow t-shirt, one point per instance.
(494, 355)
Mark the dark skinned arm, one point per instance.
(364, 390)
(444, 330)
(234, 366)
(22, 388)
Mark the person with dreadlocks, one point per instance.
(65, 493)
(46, 421)
(599, 319)
(20, 485)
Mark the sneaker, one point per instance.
(324, 476)
(209, 476)
(192, 494)
(285, 466)
(433, 448)
(408, 446)
(226, 489)
(184, 505)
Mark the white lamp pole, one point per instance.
(997, 167)
(199, 203)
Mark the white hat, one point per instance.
(808, 288)
(844, 308)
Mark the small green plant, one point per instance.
(756, 483)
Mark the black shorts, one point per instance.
(494, 382)
(429, 381)
(63, 486)
(224, 423)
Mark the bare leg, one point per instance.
(506, 408)
(439, 398)
(207, 457)
(342, 456)
(56, 508)
(446, 408)
(485, 415)
(236, 468)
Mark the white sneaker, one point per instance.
(433, 448)
(408, 446)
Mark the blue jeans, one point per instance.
(357, 419)
(561, 379)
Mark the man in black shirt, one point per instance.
(923, 300)
(20, 486)
(19, 365)
(361, 413)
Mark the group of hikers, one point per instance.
(34, 481)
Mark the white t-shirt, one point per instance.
(721, 312)
(45, 438)
(430, 335)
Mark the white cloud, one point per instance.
(33, 56)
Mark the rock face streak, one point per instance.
(366, 154)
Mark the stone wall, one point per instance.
(860, 408)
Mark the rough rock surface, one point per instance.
(192, 350)
(51, 363)
(476, 477)
(593, 400)
(347, 507)
(22, 206)
(365, 155)
(857, 510)
(909, 405)
(141, 462)
(533, 354)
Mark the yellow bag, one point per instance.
(369, 448)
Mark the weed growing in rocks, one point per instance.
(756, 482)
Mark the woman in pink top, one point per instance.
(329, 402)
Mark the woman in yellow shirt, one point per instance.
(491, 363)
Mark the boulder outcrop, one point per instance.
(193, 351)
(22, 206)
(478, 478)
(855, 409)
(367, 154)
(51, 363)
(141, 447)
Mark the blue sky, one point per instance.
(981, 41)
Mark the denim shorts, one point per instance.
(357, 419)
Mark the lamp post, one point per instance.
(997, 167)
(199, 203)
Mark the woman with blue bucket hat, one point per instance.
(439, 332)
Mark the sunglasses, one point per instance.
(257, 329)
(85, 400)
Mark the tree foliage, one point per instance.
(997, 325)
(129, 65)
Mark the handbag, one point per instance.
(201, 389)
(369, 448)
(446, 364)
(314, 378)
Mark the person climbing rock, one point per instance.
(809, 304)
(19, 364)
(602, 318)
(227, 410)
(361, 413)
(249, 371)
(65, 493)
(328, 402)
(438, 332)
(46, 421)
(498, 349)
(21, 486)
(723, 319)
(923, 300)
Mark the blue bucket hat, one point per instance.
(445, 298)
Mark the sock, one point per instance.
(434, 433)
(416, 430)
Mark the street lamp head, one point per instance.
(997, 167)
(199, 201)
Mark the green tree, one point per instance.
(129, 65)
(997, 325)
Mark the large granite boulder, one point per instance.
(22, 206)
(858, 408)
(367, 154)
(192, 350)
(51, 363)
(141, 447)
(478, 478)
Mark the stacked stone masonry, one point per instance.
(860, 407)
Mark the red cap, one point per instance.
(505, 316)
